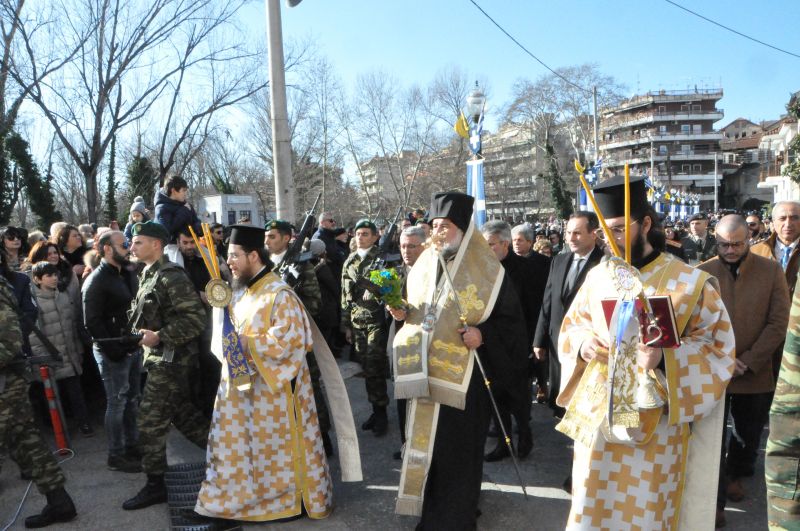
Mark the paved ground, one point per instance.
(367, 505)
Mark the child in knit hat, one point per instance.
(138, 214)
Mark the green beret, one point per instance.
(152, 229)
(284, 227)
(366, 224)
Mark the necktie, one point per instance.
(787, 251)
(574, 271)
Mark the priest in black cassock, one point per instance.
(450, 407)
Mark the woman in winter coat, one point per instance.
(58, 322)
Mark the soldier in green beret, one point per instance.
(364, 324)
(276, 240)
(170, 316)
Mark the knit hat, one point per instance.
(139, 205)
(317, 247)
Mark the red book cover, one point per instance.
(665, 315)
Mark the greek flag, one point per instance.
(475, 189)
(594, 172)
(475, 136)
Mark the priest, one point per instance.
(436, 366)
(265, 455)
(654, 465)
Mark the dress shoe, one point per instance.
(208, 523)
(524, 443)
(381, 424)
(154, 491)
(719, 520)
(122, 463)
(133, 453)
(735, 491)
(567, 485)
(500, 452)
(59, 508)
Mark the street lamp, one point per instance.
(475, 103)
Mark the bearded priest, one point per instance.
(646, 420)
(436, 367)
(265, 454)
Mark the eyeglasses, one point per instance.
(619, 230)
(731, 245)
(330, 221)
(12, 237)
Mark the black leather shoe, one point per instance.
(381, 424)
(154, 491)
(369, 423)
(500, 452)
(121, 463)
(207, 522)
(59, 508)
(524, 443)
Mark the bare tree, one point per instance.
(135, 50)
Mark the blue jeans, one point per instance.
(122, 382)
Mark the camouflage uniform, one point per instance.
(783, 445)
(18, 430)
(167, 303)
(309, 292)
(368, 320)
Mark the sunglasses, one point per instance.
(12, 237)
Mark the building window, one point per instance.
(686, 149)
(231, 217)
(245, 214)
(662, 129)
(686, 128)
(697, 129)
(686, 168)
(662, 150)
(697, 168)
(695, 106)
(662, 109)
(685, 107)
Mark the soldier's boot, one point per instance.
(366, 426)
(154, 491)
(381, 424)
(59, 508)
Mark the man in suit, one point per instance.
(528, 279)
(782, 244)
(755, 293)
(567, 271)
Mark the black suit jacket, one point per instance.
(556, 302)
(528, 277)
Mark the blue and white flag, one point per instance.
(476, 190)
(583, 201)
(593, 173)
(475, 136)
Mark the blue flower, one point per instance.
(386, 274)
(385, 290)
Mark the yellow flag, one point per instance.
(462, 127)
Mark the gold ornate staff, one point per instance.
(218, 291)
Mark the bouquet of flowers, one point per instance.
(389, 286)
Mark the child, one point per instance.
(138, 215)
(58, 323)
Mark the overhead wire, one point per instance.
(501, 28)
(723, 26)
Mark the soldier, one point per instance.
(364, 324)
(170, 316)
(783, 445)
(17, 428)
(276, 240)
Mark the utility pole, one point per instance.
(281, 140)
(594, 104)
(716, 186)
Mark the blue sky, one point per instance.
(647, 45)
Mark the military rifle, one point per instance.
(384, 259)
(294, 254)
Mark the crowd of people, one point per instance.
(127, 312)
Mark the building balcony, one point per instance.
(699, 180)
(645, 137)
(671, 96)
(675, 156)
(645, 117)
